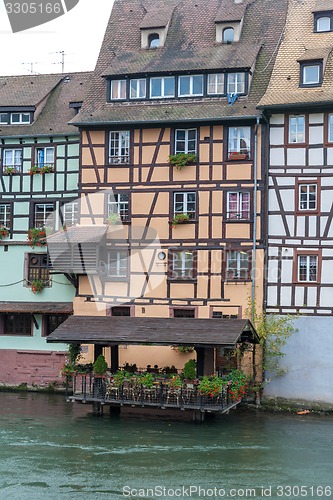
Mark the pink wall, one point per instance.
(30, 367)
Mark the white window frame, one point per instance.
(6, 121)
(217, 85)
(21, 120)
(48, 151)
(238, 85)
(70, 213)
(48, 209)
(119, 85)
(117, 205)
(191, 77)
(298, 139)
(16, 159)
(308, 260)
(235, 137)
(163, 79)
(306, 197)
(238, 214)
(5, 214)
(330, 128)
(182, 265)
(231, 30)
(137, 83)
(318, 22)
(120, 141)
(186, 204)
(239, 272)
(186, 140)
(121, 269)
(305, 67)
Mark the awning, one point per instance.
(158, 331)
(37, 307)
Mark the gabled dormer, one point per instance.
(229, 21)
(323, 16)
(154, 27)
(312, 66)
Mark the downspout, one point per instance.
(255, 205)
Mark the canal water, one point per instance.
(50, 449)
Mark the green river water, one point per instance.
(50, 449)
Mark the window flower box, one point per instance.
(180, 219)
(37, 286)
(36, 237)
(180, 160)
(4, 233)
(238, 156)
(9, 170)
(45, 169)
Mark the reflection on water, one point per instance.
(51, 449)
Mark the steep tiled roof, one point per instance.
(323, 5)
(229, 11)
(57, 91)
(157, 17)
(190, 46)
(299, 38)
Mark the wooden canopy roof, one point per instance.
(158, 331)
(37, 307)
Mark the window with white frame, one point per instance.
(138, 88)
(12, 158)
(186, 141)
(307, 196)
(185, 203)
(5, 215)
(235, 83)
(162, 87)
(238, 205)
(4, 118)
(307, 268)
(330, 128)
(237, 265)
(20, 118)
(190, 85)
(118, 204)
(297, 129)
(323, 23)
(117, 89)
(70, 213)
(215, 83)
(239, 142)
(154, 41)
(43, 216)
(182, 265)
(119, 147)
(45, 157)
(228, 35)
(117, 264)
(311, 74)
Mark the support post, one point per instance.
(209, 361)
(200, 360)
(98, 349)
(114, 358)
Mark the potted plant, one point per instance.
(37, 237)
(37, 286)
(238, 385)
(46, 169)
(190, 369)
(34, 170)
(238, 155)
(114, 219)
(180, 219)
(100, 366)
(180, 160)
(147, 380)
(4, 233)
(68, 369)
(175, 382)
(211, 386)
(9, 170)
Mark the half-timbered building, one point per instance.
(39, 171)
(175, 80)
(299, 101)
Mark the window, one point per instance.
(70, 214)
(183, 313)
(297, 129)
(117, 266)
(162, 87)
(119, 147)
(120, 311)
(118, 204)
(118, 89)
(153, 41)
(228, 35)
(186, 141)
(239, 143)
(138, 88)
(237, 265)
(220, 315)
(236, 83)
(323, 23)
(185, 203)
(238, 205)
(19, 118)
(17, 324)
(45, 157)
(4, 118)
(215, 83)
(330, 128)
(307, 268)
(190, 85)
(307, 197)
(37, 268)
(182, 265)
(311, 74)
(52, 321)
(43, 215)
(5, 215)
(12, 158)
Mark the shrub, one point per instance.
(190, 369)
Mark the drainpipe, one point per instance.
(255, 204)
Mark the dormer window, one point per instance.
(153, 41)
(311, 74)
(323, 24)
(190, 85)
(118, 89)
(228, 35)
(236, 83)
(19, 118)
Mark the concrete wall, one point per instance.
(309, 360)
